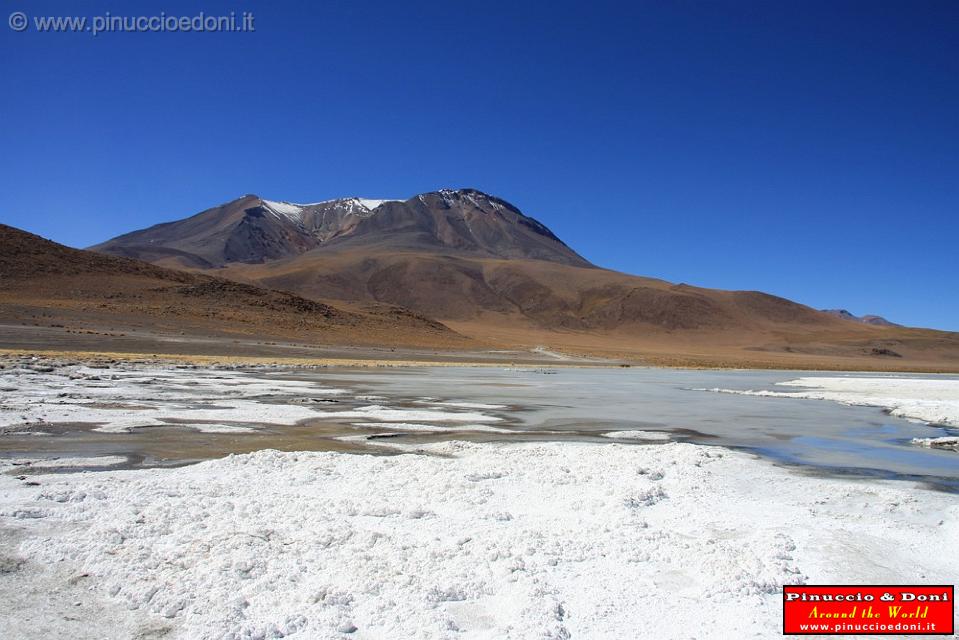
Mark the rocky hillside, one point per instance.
(43, 280)
(251, 229)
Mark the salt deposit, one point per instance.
(464, 405)
(413, 426)
(499, 540)
(945, 442)
(387, 414)
(553, 540)
(637, 435)
(47, 463)
(118, 400)
(924, 399)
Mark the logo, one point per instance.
(868, 610)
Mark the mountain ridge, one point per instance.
(478, 265)
(451, 254)
(252, 229)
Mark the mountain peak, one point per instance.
(469, 197)
(357, 204)
(462, 192)
(463, 221)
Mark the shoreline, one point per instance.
(452, 361)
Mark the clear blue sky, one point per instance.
(807, 149)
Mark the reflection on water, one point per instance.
(570, 404)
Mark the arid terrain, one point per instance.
(453, 275)
(55, 296)
(479, 266)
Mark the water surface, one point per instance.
(550, 404)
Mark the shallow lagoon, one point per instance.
(821, 434)
(515, 404)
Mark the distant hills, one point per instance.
(461, 266)
(878, 321)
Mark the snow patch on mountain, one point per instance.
(288, 209)
(367, 204)
(294, 211)
(370, 204)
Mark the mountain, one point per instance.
(451, 254)
(878, 321)
(43, 283)
(253, 230)
(483, 268)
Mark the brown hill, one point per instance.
(591, 311)
(544, 294)
(481, 266)
(47, 283)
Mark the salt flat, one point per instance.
(613, 528)
(135, 397)
(488, 541)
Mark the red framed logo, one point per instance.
(868, 610)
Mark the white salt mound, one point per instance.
(637, 435)
(46, 463)
(946, 442)
(554, 540)
(926, 400)
(412, 426)
(387, 414)
(119, 400)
